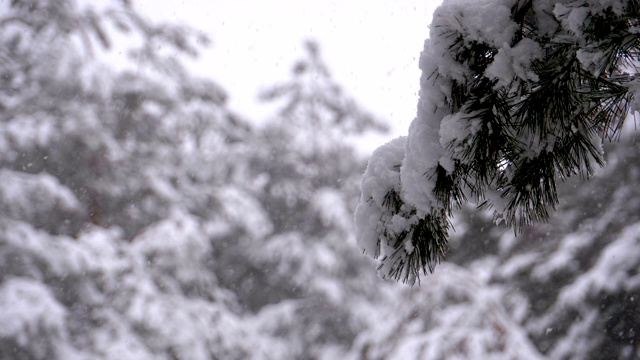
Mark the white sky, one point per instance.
(371, 47)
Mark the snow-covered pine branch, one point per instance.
(514, 95)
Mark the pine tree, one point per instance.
(515, 95)
(306, 173)
(114, 189)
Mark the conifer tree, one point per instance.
(515, 96)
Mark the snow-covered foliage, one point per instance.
(112, 197)
(140, 218)
(514, 95)
(382, 219)
(564, 290)
(465, 319)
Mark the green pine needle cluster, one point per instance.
(426, 247)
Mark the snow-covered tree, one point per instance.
(515, 95)
(140, 218)
(302, 277)
(111, 192)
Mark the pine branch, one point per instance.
(516, 137)
(420, 248)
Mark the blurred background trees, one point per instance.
(141, 218)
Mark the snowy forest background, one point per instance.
(141, 218)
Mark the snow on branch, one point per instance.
(514, 96)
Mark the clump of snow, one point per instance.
(240, 207)
(486, 21)
(564, 257)
(329, 204)
(423, 153)
(23, 194)
(455, 127)
(573, 18)
(62, 254)
(383, 217)
(24, 131)
(510, 63)
(175, 248)
(518, 264)
(30, 312)
(295, 256)
(591, 60)
(610, 272)
(382, 175)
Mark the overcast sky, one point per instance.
(371, 47)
